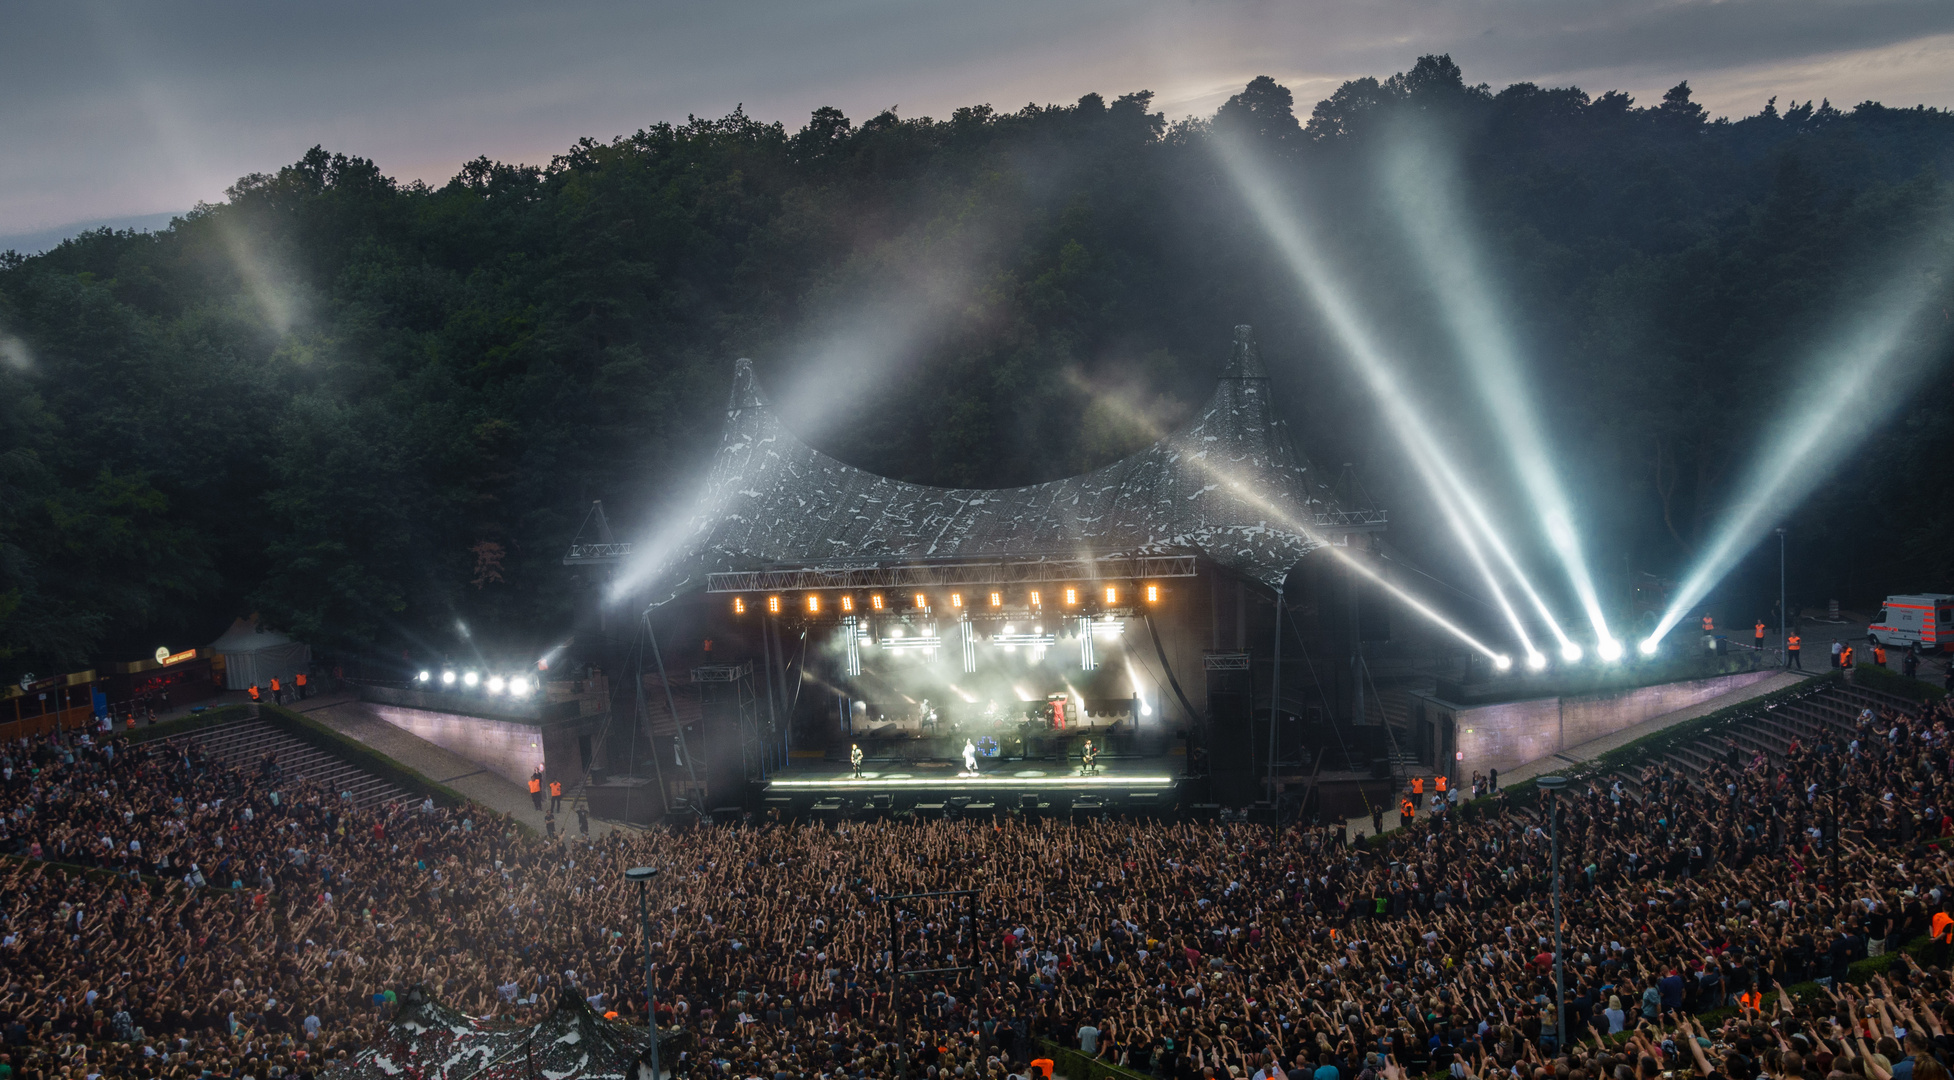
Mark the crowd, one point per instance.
(239, 922)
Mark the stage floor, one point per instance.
(1137, 784)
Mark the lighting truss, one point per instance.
(940, 575)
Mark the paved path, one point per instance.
(352, 718)
(1592, 749)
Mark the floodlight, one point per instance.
(1153, 594)
(813, 603)
(1502, 661)
(424, 676)
(447, 678)
(495, 684)
(1648, 647)
(1536, 660)
(773, 605)
(1570, 652)
(1112, 595)
(519, 687)
(739, 605)
(847, 602)
(1610, 649)
(470, 679)
(875, 601)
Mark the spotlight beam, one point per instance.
(1856, 377)
(1439, 234)
(1340, 312)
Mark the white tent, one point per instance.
(253, 654)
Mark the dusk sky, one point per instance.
(119, 110)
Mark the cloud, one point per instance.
(117, 109)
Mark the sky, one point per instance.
(124, 113)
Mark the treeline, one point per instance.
(376, 412)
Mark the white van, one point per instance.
(1924, 619)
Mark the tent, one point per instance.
(253, 654)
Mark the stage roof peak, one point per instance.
(1229, 486)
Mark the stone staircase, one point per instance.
(1832, 711)
(242, 744)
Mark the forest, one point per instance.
(375, 413)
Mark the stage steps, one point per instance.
(242, 744)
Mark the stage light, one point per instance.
(922, 602)
(956, 599)
(847, 603)
(1648, 647)
(1037, 599)
(773, 605)
(1502, 661)
(1324, 285)
(1071, 597)
(470, 679)
(495, 684)
(1609, 649)
(1112, 595)
(997, 599)
(1009, 629)
(1153, 594)
(424, 676)
(1537, 660)
(447, 678)
(813, 604)
(739, 606)
(1570, 652)
(1145, 709)
(875, 601)
(1423, 187)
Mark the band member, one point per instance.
(970, 757)
(1090, 759)
(855, 759)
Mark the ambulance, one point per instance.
(1924, 619)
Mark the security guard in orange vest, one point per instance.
(1709, 624)
(536, 789)
(277, 692)
(1407, 812)
(1791, 659)
(1752, 1000)
(255, 696)
(1440, 782)
(1417, 785)
(556, 796)
(299, 681)
(1845, 658)
(1757, 634)
(1879, 654)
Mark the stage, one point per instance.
(1149, 785)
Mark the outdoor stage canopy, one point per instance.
(1229, 487)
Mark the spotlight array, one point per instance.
(514, 685)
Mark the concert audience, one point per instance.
(287, 921)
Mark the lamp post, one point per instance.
(643, 875)
(1552, 785)
(1784, 638)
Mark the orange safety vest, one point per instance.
(1845, 657)
(1943, 926)
(1440, 781)
(1760, 631)
(1417, 785)
(1043, 1063)
(1879, 655)
(274, 686)
(299, 678)
(254, 691)
(1708, 624)
(1793, 643)
(535, 785)
(556, 789)
(1407, 808)
(1752, 1000)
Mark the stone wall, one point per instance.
(1505, 735)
